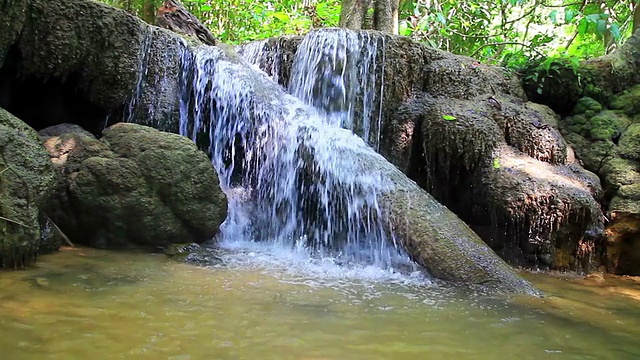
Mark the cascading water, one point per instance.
(282, 166)
(341, 73)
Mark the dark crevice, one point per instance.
(42, 102)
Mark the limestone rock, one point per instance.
(135, 186)
(465, 132)
(26, 181)
(87, 63)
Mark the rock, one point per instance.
(628, 101)
(629, 144)
(465, 133)
(432, 235)
(608, 144)
(135, 186)
(26, 181)
(86, 62)
(587, 104)
(623, 243)
(194, 254)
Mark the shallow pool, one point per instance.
(92, 304)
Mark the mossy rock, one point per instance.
(629, 145)
(608, 125)
(587, 104)
(620, 172)
(629, 101)
(194, 254)
(137, 186)
(26, 181)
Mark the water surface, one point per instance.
(86, 303)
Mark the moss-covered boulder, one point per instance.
(135, 186)
(26, 181)
(608, 143)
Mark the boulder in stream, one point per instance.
(134, 186)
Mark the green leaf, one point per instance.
(583, 25)
(496, 163)
(441, 18)
(554, 17)
(615, 31)
(206, 7)
(601, 26)
(569, 14)
(449, 117)
(281, 16)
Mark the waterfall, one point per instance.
(341, 72)
(281, 162)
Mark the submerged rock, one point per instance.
(135, 186)
(26, 181)
(194, 254)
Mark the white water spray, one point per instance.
(283, 166)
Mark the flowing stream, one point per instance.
(88, 303)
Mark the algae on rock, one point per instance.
(135, 186)
(26, 181)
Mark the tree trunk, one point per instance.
(149, 11)
(175, 17)
(353, 13)
(385, 15)
(636, 17)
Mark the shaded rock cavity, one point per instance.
(56, 68)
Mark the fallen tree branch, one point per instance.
(175, 17)
(64, 237)
(15, 222)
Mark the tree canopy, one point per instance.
(504, 32)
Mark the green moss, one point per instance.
(607, 124)
(629, 144)
(25, 185)
(587, 104)
(629, 101)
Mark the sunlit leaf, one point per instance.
(496, 163)
(615, 31)
(554, 16)
(206, 7)
(449, 117)
(281, 16)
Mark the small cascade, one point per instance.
(282, 165)
(341, 73)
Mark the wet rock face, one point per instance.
(135, 186)
(26, 181)
(83, 62)
(607, 141)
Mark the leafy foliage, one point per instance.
(511, 33)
